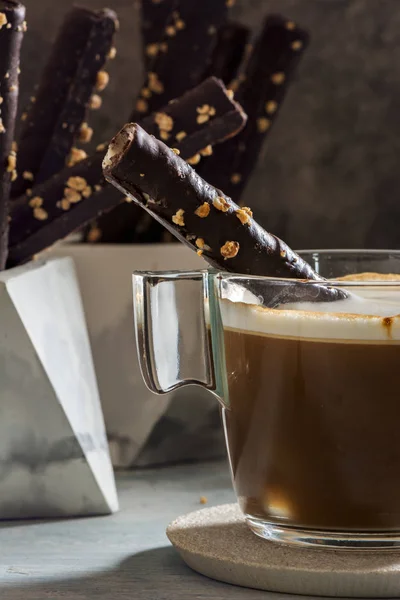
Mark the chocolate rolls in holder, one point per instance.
(261, 89)
(12, 27)
(78, 194)
(59, 108)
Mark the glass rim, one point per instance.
(327, 283)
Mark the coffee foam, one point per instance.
(370, 313)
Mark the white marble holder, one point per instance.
(54, 459)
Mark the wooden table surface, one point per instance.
(123, 556)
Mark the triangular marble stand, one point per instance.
(54, 459)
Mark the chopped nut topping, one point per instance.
(33, 99)
(2, 128)
(14, 145)
(236, 178)
(263, 124)
(178, 218)
(142, 106)
(101, 147)
(180, 24)
(24, 26)
(203, 210)
(180, 135)
(28, 175)
(244, 215)
(8, 26)
(11, 162)
(203, 500)
(97, 188)
(194, 160)
(155, 84)
(87, 192)
(278, 78)
(145, 92)
(163, 46)
(170, 30)
(75, 156)
(128, 199)
(13, 88)
(176, 151)
(29, 192)
(290, 25)
(85, 133)
(152, 50)
(14, 175)
(64, 125)
(7, 75)
(271, 107)
(164, 121)
(1, 99)
(102, 80)
(141, 174)
(95, 102)
(207, 151)
(72, 196)
(112, 54)
(164, 135)
(212, 30)
(230, 3)
(24, 116)
(221, 204)
(64, 204)
(77, 183)
(283, 254)
(296, 45)
(200, 243)
(40, 214)
(94, 234)
(3, 19)
(230, 94)
(230, 250)
(199, 252)
(205, 112)
(36, 202)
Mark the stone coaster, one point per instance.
(217, 543)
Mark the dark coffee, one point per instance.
(313, 429)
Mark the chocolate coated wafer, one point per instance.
(77, 195)
(180, 124)
(57, 112)
(12, 27)
(184, 54)
(232, 40)
(262, 88)
(197, 213)
(154, 17)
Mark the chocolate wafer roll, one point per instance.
(262, 88)
(184, 54)
(202, 117)
(78, 194)
(200, 215)
(56, 117)
(12, 27)
(154, 17)
(232, 40)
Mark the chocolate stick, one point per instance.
(173, 125)
(262, 88)
(56, 117)
(184, 54)
(12, 27)
(154, 16)
(198, 214)
(77, 195)
(231, 45)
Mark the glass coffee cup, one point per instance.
(308, 389)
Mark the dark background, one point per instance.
(329, 174)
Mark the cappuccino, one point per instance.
(312, 427)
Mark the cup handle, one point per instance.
(172, 336)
